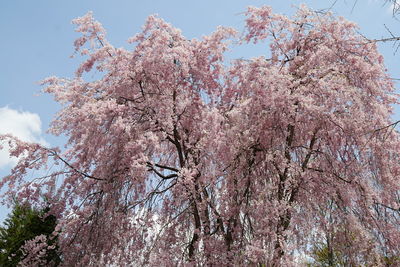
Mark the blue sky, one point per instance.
(36, 40)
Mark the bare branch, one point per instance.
(55, 154)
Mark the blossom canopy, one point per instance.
(176, 157)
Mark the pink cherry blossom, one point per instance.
(176, 157)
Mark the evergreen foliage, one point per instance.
(25, 223)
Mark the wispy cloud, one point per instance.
(22, 124)
(393, 7)
(389, 5)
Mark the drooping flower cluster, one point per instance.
(34, 251)
(176, 157)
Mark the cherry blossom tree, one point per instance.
(176, 157)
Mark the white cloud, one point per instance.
(22, 124)
(394, 8)
(389, 6)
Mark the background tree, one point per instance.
(337, 243)
(23, 225)
(176, 156)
